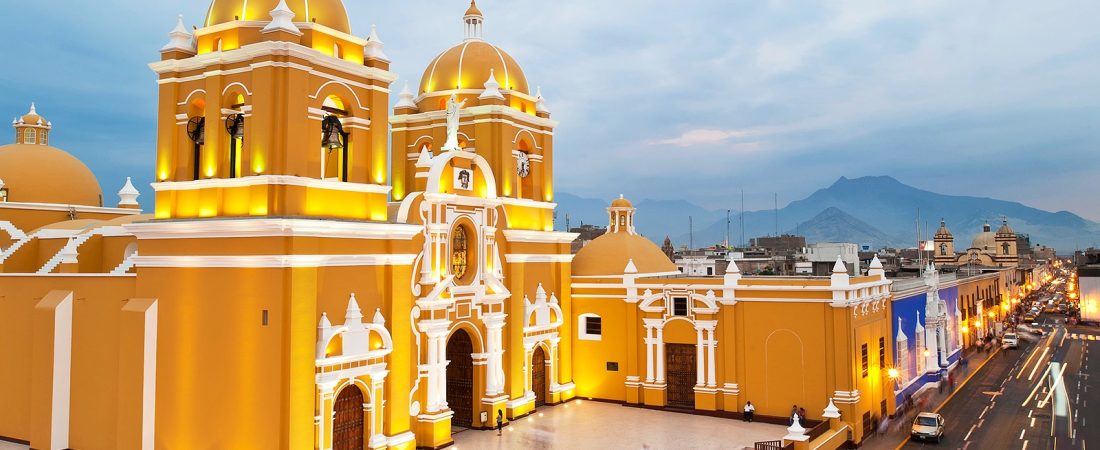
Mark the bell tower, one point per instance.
(500, 120)
(945, 245)
(264, 106)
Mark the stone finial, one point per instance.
(406, 98)
(178, 39)
(373, 49)
(492, 88)
(353, 315)
(128, 195)
(324, 323)
(831, 411)
(282, 20)
(796, 432)
(630, 267)
(839, 267)
(540, 102)
(378, 318)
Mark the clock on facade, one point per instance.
(523, 164)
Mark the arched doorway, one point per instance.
(538, 376)
(347, 426)
(680, 375)
(460, 379)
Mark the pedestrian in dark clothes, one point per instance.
(500, 421)
(802, 415)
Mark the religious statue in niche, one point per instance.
(459, 252)
(453, 107)
(463, 178)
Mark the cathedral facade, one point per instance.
(322, 271)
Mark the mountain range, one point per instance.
(880, 211)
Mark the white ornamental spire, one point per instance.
(178, 39)
(128, 195)
(405, 98)
(353, 315)
(32, 112)
(492, 88)
(540, 102)
(373, 49)
(281, 20)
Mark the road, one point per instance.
(1008, 404)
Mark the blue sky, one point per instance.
(688, 99)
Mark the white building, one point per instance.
(828, 252)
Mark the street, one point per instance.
(1032, 397)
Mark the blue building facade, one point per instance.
(927, 338)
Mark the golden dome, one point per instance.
(44, 174)
(621, 203)
(330, 13)
(609, 254)
(467, 66)
(473, 11)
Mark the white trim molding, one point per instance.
(533, 258)
(260, 180)
(274, 261)
(272, 227)
(539, 237)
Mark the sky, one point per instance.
(684, 99)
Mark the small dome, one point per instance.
(44, 174)
(609, 254)
(330, 13)
(1005, 229)
(985, 240)
(621, 203)
(472, 10)
(467, 66)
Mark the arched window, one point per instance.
(28, 136)
(1005, 247)
(460, 252)
(943, 249)
(336, 50)
(217, 47)
(44, 137)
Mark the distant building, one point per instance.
(585, 233)
(779, 244)
(988, 249)
(823, 255)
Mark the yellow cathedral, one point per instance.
(322, 272)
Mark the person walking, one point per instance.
(749, 409)
(500, 421)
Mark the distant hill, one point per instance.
(834, 225)
(876, 210)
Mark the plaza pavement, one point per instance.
(586, 424)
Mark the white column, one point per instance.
(437, 365)
(711, 361)
(649, 354)
(494, 369)
(660, 354)
(699, 363)
(377, 435)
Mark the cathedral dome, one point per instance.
(330, 13)
(985, 240)
(609, 255)
(45, 174)
(468, 65)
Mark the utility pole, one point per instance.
(742, 219)
(776, 206)
(567, 222)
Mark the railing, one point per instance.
(819, 429)
(772, 445)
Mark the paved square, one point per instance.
(584, 424)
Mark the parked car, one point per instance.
(928, 426)
(1011, 340)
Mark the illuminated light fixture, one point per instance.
(892, 373)
(925, 352)
(965, 329)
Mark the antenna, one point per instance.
(691, 234)
(776, 206)
(727, 229)
(566, 221)
(742, 217)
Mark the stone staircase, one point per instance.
(70, 249)
(17, 235)
(125, 265)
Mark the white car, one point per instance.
(1011, 340)
(928, 426)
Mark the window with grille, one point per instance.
(864, 352)
(881, 353)
(589, 327)
(679, 306)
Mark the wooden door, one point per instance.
(538, 376)
(347, 427)
(460, 379)
(680, 375)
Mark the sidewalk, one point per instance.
(933, 399)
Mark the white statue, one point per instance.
(453, 108)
